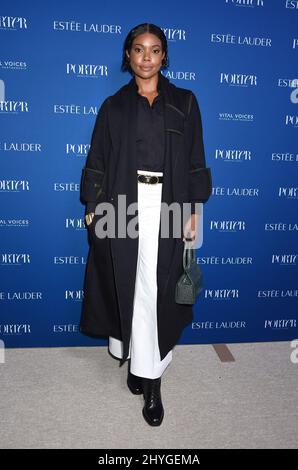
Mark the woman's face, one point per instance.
(146, 55)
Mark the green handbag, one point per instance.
(190, 283)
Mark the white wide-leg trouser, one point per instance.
(144, 351)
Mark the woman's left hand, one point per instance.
(191, 229)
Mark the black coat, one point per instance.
(111, 169)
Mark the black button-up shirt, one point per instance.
(150, 135)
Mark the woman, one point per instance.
(146, 148)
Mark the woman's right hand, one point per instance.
(89, 218)
(190, 230)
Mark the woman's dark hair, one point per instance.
(141, 29)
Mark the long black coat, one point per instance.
(110, 170)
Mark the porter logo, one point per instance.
(15, 329)
(87, 70)
(14, 185)
(232, 155)
(13, 22)
(14, 259)
(238, 79)
(78, 150)
(291, 120)
(282, 324)
(174, 34)
(246, 3)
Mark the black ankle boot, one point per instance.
(134, 382)
(153, 410)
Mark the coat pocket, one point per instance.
(91, 184)
(177, 131)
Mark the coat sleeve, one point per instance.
(200, 181)
(94, 170)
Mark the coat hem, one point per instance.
(96, 334)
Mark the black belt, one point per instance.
(150, 179)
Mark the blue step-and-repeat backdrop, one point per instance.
(58, 62)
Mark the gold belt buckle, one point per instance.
(148, 178)
(157, 179)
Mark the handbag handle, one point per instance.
(188, 257)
